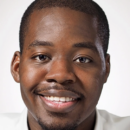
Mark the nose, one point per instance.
(60, 72)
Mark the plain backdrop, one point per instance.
(115, 96)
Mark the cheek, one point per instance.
(92, 82)
(31, 76)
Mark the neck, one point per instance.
(89, 123)
(32, 124)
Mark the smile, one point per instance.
(59, 101)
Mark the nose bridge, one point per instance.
(60, 71)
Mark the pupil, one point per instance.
(82, 59)
(42, 57)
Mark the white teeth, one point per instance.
(59, 99)
(51, 98)
(62, 99)
(67, 99)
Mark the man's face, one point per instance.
(62, 68)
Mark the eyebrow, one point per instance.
(40, 43)
(87, 45)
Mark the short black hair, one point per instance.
(86, 6)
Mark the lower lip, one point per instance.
(59, 107)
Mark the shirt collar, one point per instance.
(98, 124)
(22, 122)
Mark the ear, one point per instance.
(107, 60)
(15, 66)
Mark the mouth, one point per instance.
(59, 101)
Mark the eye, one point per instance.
(42, 57)
(83, 60)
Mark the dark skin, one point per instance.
(61, 49)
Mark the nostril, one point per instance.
(68, 82)
(51, 80)
(65, 82)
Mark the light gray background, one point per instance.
(116, 93)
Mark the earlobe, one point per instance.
(15, 66)
(107, 60)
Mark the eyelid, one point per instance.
(36, 56)
(83, 56)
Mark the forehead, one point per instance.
(56, 15)
(56, 24)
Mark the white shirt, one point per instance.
(104, 121)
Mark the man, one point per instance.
(61, 67)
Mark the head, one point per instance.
(85, 6)
(63, 62)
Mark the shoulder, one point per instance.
(13, 121)
(110, 121)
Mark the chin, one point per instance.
(58, 126)
(57, 121)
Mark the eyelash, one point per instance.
(85, 60)
(46, 58)
(41, 56)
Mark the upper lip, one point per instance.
(59, 93)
